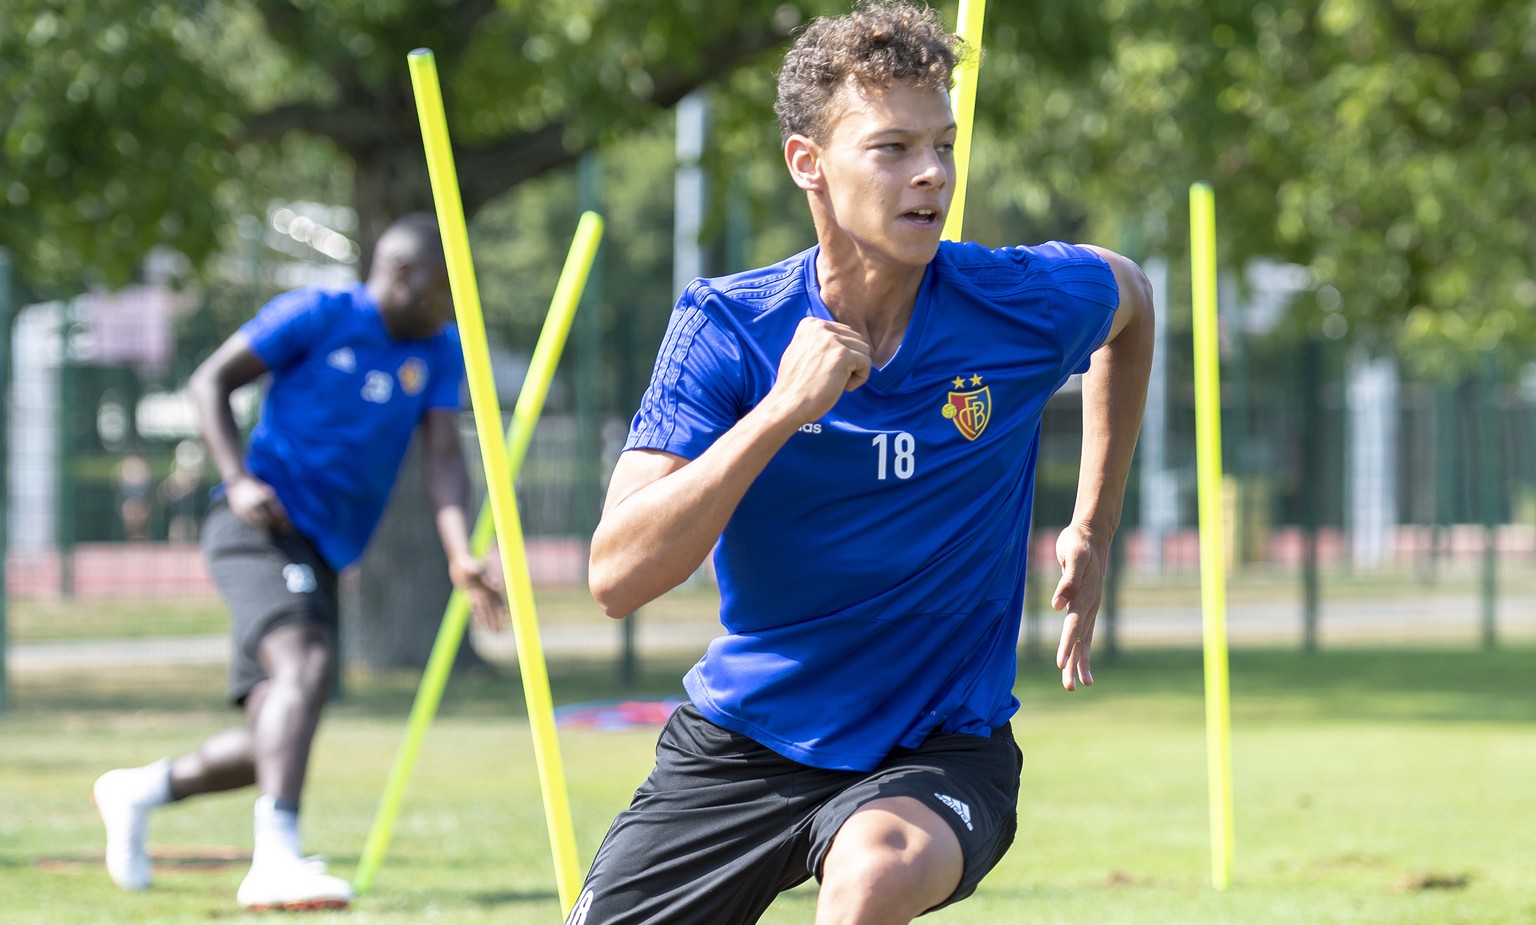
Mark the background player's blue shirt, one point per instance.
(343, 402)
(872, 577)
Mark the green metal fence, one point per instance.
(1363, 507)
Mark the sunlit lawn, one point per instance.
(1370, 787)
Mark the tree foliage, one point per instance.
(132, 120)
(1387, 146)
(1390, 147)
(114, 137)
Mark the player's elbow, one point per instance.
(1139, 291)
(610, 589)
(203, 383)
(1135, 309)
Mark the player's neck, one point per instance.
(875, 299)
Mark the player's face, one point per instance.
(889, 166)
(426, 303)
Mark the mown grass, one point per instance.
(1371, 787)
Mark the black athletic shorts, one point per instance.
(724, 824)
(267, 580)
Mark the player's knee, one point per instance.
(314, 671)
(893, 878)
(897, 859)
(300, 658)
(865, 871)
(857, 888)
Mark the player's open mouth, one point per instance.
(921, 216)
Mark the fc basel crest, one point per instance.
(969, 410)
(412, 375)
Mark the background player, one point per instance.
(354, 374)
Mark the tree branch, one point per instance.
(352, 127)
(466, 17)
(285, 23)
(488, 170)
(721, 58)
(492, 168)
(360, 123)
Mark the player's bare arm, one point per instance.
(664, 513)
(447, 485)
(1114, 395)
(231, 366)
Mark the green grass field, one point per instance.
(1371, 787)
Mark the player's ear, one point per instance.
(400, 272)
(400, 277)
(803, 157)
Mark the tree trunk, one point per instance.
(386, 184)
(393, 618)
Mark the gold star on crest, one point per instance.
(976, 380)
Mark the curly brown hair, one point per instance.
(880, 42)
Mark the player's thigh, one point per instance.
(267, 580)
(897, 850)
(712, 836)
(969, 783)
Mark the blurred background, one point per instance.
(167, 167)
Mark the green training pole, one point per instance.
(434, 679)
(962, 100)
(530, 403)
(494, 457)
(1213, 581)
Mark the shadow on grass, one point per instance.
(507, 898)
(409, 901)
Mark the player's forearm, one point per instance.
(446, 481)
(1114, 396)
(216, 422)
(653, 539)
(447, 485)
(453, 530)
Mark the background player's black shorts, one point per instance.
(724, 824)
(267, 580)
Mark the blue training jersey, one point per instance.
(872, 577)
(344, 400)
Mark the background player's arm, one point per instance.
(1114, 395)
(231, 366)
(664, 513)
(447, 484)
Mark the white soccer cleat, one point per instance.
(117, 795)
(292, 885)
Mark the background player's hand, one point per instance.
(1083, 558)
(481, 583)
(824, 360)
(254, 502)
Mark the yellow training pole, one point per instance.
(1213, 581)
(530, 403)
(963, 101)
(482, 390)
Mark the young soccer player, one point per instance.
(854, 432)
(354, 373)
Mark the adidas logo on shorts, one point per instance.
(959, 807)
